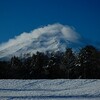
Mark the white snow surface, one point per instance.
(55, 37)
(57, 89)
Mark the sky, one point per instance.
(18, 16)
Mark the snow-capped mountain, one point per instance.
(54, 37)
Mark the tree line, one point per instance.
(56, 65)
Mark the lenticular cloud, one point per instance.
(62, 31)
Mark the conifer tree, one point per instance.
(88, 61)
(68, 62)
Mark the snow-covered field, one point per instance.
(58, 89)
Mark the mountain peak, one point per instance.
(55, 37)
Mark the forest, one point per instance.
(84, 64)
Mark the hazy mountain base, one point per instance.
(58, 89)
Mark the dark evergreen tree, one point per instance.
(38, 63)
(15, 68)
(87, 61)
(26, 68)
(54, 65)
(4, 70)
(68, 63)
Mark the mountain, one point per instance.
(54, 37)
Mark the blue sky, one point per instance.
(17, 16)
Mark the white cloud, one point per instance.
(60, 30)
(70, 34)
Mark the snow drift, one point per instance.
(58, 89)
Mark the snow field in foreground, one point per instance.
(58, 89)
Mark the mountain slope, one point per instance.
(54, 37)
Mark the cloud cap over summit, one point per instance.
(51, 37)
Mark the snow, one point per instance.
(55, 37)
(58, 89)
